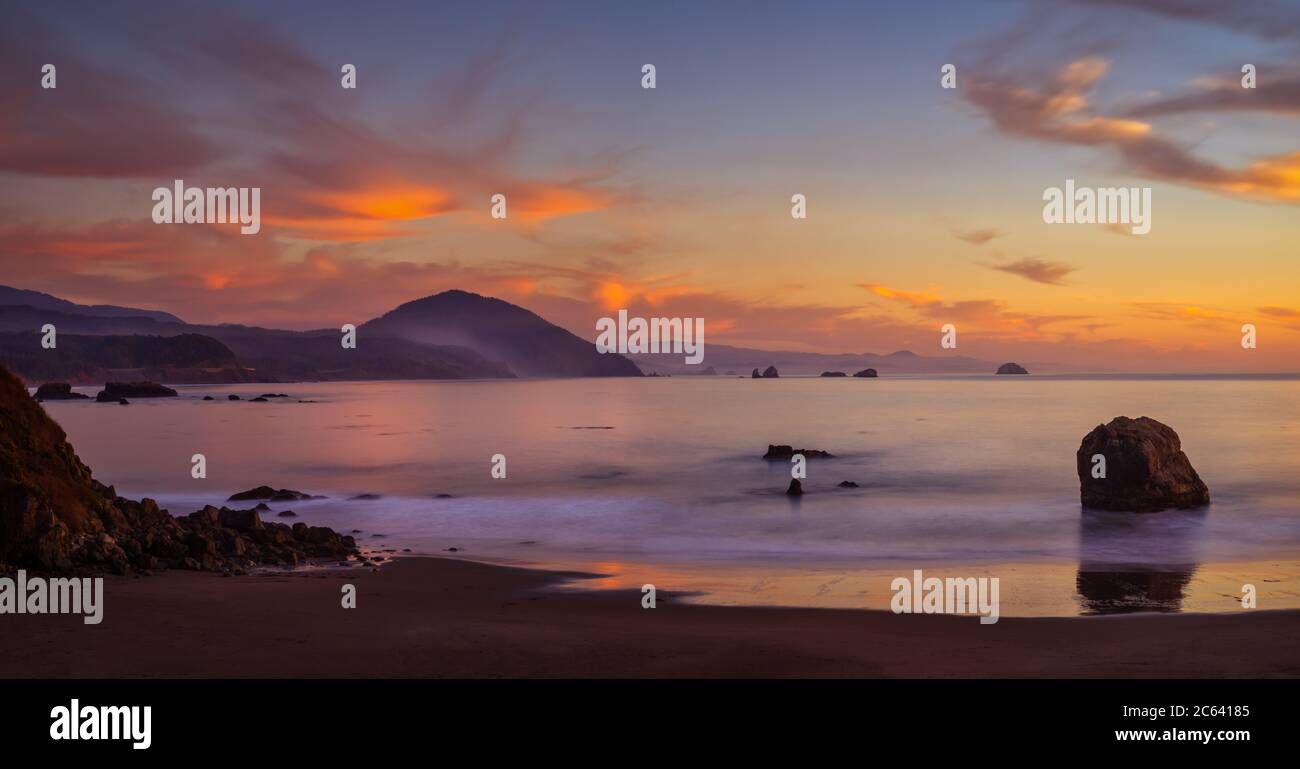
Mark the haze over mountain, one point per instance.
(452, 335)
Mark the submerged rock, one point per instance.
(848, 485)
(784, 451)
(1011, 368)
(1145, 469)
(796, 488)
(833, 373)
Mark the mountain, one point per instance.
(453, 335)
(501, 331)
(94, 359)
(743, 359)
(25, 298)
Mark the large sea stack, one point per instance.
(1145, 468)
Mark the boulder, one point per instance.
(1011, 368)
(866, 373)
(1146, 469)
(784, 451)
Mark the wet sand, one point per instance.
(429, 617)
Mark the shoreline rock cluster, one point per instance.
(55, 517)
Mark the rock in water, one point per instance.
(796, 488)
(57, 391)
(1146, 469)
(833, 373)
(756, 375)
(866, 373)
(1011, 368)
(770, 373)
(783, 451)
(116, 391)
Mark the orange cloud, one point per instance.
(1056, 111)
(539, 202)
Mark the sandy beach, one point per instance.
(431, 617)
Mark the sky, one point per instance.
(924, 204)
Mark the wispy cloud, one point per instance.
(978, 237)
(1037, 270)
(1060, 110)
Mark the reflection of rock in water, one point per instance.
(1120, 592)
(1131, 563)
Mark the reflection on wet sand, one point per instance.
(1132, 562)
(1122, 592)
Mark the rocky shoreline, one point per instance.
(55, 517)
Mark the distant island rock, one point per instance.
(1011, 368)
(768, 373)
(273, 495)
(783, 451)
(1145, 468)
(58, 391)
(117, 391)
(833, 373)
(867, 373)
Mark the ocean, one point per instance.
(661, 481)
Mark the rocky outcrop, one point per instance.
(867, 373)
(55, 517)
(1011, 368)
(833, 373)
(273, 495)
(1145, 469)
(57, 391)
(783, 451)
(756, 375)
(116, 391)
(795, 489)
(770, 373)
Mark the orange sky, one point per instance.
(924, 204)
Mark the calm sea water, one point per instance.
(664, 476)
